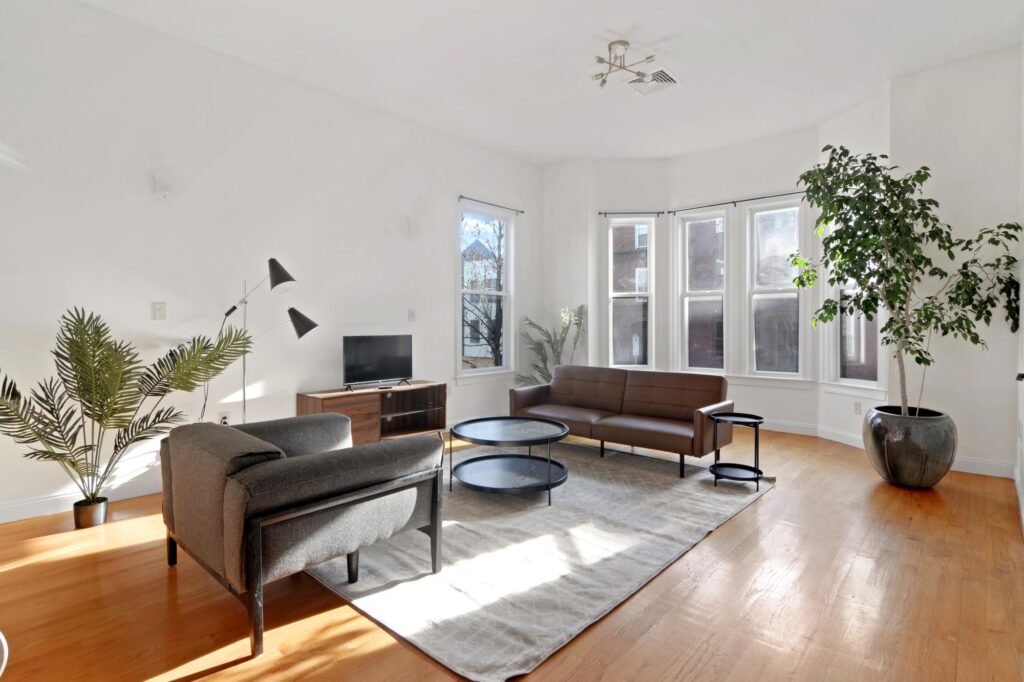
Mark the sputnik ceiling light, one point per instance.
(616, 61)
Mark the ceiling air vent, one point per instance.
(659, 80)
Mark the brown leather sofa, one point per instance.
(659, 410)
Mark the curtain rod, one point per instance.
(734, 202)
(608, 213)
(517, 211)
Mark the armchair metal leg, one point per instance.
(254, 583)
(682, 465)
(172, 550)
(602, 448)
(435, 522)
(353, 566)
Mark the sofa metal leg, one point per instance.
(254, 583)
(602, 448)
(172, 550)
(353, 566)
(682, 465)
(435, 523)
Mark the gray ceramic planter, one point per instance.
(89, 514)
(913, 452)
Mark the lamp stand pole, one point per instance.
(245, 327)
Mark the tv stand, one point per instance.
(383, 412)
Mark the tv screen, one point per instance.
(377, 358)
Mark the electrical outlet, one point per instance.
(223, 418)
(158, 310)
(856, 407)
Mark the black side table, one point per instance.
(738, 472)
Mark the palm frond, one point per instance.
(189, 365)
(22, 420)
(154, 424)
(61, 418)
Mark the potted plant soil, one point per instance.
(104, 400)
(883, 243)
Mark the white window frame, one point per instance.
(507, 292)
(686, 295)
(752, 290)
(649, 222)
(832, 351)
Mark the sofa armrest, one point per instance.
(518, 398)
(305, 435)
(703, 428)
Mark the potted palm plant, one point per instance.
(104, 400)
(882, 241)
(549, 346)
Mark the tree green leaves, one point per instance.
(880, 238)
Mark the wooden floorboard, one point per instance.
(833, 575)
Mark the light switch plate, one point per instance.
(158, 310)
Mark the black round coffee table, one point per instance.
(509, 472)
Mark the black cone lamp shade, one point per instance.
(280, 279)
(302, 324)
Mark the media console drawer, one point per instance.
(364, 411)
(376, 414)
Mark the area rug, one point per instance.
(520, 578)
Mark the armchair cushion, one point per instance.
(310, 434)
(202, 458)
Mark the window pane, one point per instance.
(776, 234)
(629, 254)
(858, 347)
(483, 331)
(705, 255)
(777, 332)
(483, 253)
(629, 331)
(704, 338)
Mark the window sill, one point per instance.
(855, 390)
(794, 383)
(484, 377)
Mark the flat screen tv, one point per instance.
(377, 358)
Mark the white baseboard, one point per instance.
(965, 463)
(15, 510)
(1020, 494)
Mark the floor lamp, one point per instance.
(280, 282)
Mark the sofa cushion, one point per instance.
(594, 388)
(670, 395)
(647, 432)
(578, 419)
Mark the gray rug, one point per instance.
(521, 579)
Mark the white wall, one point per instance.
(360, 206)
(963, 120)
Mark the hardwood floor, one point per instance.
(833, 575)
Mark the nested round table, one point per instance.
(509, 472)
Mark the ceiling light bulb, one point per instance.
(618, 47)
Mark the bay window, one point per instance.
(774, 299)
(630, 292)
(703, 291)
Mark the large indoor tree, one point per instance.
(883, 242)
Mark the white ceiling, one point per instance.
(515, 74)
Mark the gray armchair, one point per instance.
(258, 502)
